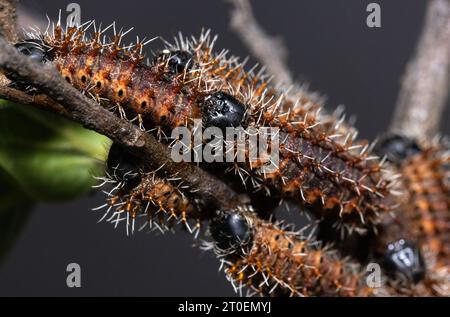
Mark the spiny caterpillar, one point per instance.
(425, 168)
(412, 269)
(413, 244)
(273, 261)
(270, 259)
(322, 165)
(136, 194)
(398, 251)
(331, 172)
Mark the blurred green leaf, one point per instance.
(49, 157)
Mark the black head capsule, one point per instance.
(179, 61)
(230, 231)
(404, 258)
(396, 148)
(122, 167)
(222, 110)
(176, 61)
(35, 49)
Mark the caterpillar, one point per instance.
(135, 194)
(415, 241)
(425, 168)
(436, 281)
(322, 165)
(334, 174)
(429, 213)
(412, 269)
(398, 251)
(271, 260)
(274, 261)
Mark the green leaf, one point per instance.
(49, 157)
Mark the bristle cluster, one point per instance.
(155, 202)
(435, 283)
(422, 219)
(427, 210)
(322, 165)
(331, 180)
(285, 263)
(321, 162)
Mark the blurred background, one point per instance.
(329, 46)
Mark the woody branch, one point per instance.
(426, 81)
(259, 42)
(60, 97)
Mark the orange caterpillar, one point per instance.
(136, 194)
(425, 210)
(322, 165)
(426, 176)
(160, 202)
(419, 230)
(411, 267)
(272, 261)
(332, 173)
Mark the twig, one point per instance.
(94, 117)
(40, 101)
(260, 43)
(269, 50)
(426, 81)
(8, 27)
(8, 20)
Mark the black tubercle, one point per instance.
(123, 167)
(177, 61)
(397, 147)
(230, 231)
(404, 258)
(222, 110)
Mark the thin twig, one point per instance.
(426, 81)
(94, 117)
(8, 20)
(40, 101)
(269, 50)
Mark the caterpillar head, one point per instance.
(397, 147)
(231, 231)
(123, 167)
(176, 62)
(222, 110)
(404, 258)
(35, 49)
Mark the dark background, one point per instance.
(329, 45)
